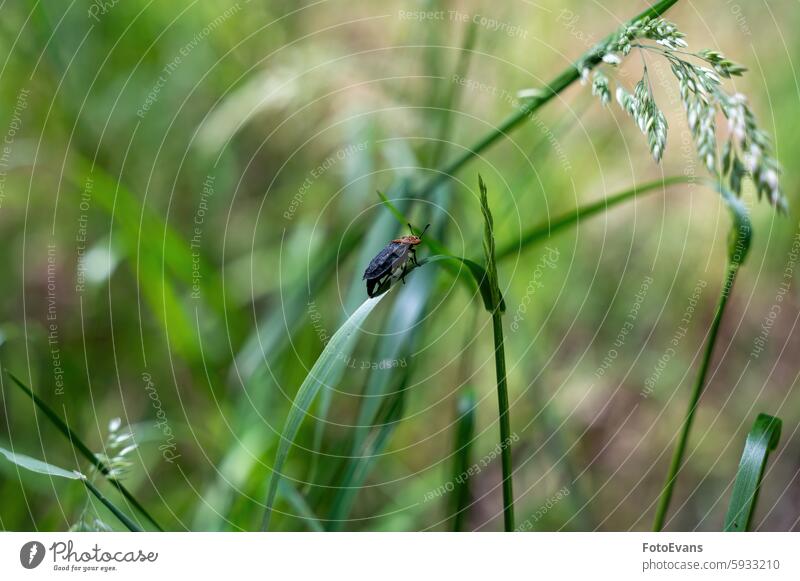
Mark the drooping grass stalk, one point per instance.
(84, 450)
(499, 360)
(571, 74)
(762, 439)
(738, 245)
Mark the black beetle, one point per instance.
(391, 263)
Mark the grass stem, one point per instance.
(738, 246)
(553, 88)
(697, 390)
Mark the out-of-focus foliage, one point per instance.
(187, 205)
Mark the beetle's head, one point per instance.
(412, 239)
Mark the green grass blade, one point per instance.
(298, 502)
(328, 367)
(38, 466)
(376, 237)
(762, 439)
(738, 246)
(398, 337)
(499, 359)
(569, 219)
(479, 277)
(465, 434)
(84, 450)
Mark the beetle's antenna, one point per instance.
(426, 229)
(410, 228)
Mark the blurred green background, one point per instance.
(187, 204)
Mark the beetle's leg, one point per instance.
(414, 256)
(403, 275)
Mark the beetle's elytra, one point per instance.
(391, 263)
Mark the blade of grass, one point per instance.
(298, 502)
(465, 433)
(544, 231)
(375, 238)
(84, 450)
(738, 246)
(324, 370)
(39, 467)
(571, 74)
(397, 341)
(762, 439)
(499, 359)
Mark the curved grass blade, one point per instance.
(479, 276)
(78, 444)
(739, 240)
(499, 358)
(324, 373)
(465, 433)
(375, 237)
(39, 467)
(762, 439)
(298, 502)
(397, 341)
(544, 231)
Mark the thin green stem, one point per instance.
(697, 390)
(738, 246)
(505, 420)
(124, 519)
(553, 88)
(496, 308)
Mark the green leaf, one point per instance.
(38, 466)
(78, 444)
(762, 439)
(325, 373)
